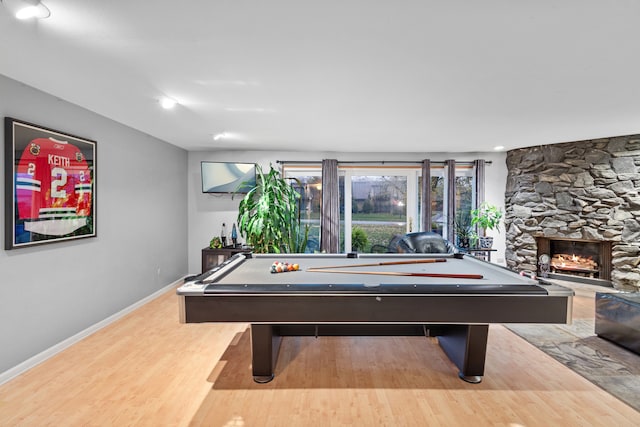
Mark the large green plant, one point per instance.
(269, 215)
(487, 216)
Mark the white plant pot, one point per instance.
(485, 242)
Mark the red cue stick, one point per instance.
(375, 264)
(399, 273)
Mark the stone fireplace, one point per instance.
(584, 195)
(586, 261)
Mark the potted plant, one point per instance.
(486, 217)
(463, 229)
(269, 215)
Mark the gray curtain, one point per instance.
(425, 205)
(330, 211)
(479, 167)
(451, 198)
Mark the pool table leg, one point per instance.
(265, 344)
(466, 346)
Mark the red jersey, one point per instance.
(53, 187)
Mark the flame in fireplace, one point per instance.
(573, 262)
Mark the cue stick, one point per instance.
(399, 273)
(375, 264)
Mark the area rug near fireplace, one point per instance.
(612, 368)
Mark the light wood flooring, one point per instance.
(149, 370)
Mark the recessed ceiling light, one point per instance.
(219, 136)
(26, 9)
(168, 103)
(498, 147)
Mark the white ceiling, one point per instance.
(341, 75)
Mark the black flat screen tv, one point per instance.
(228, 177)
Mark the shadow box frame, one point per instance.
(50, 185)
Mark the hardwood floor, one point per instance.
(149, 370)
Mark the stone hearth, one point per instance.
(584, 190)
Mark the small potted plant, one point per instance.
(463, 229)
(486, 217)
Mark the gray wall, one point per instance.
(51, 292)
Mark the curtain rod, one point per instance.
(381, 162)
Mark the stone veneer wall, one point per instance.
(580, 190)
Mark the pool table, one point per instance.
(453, 297)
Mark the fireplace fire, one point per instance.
(576, 260)
(573, 263)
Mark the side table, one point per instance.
(214, 256)
(484, 254)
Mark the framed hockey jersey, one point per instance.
(50, 185)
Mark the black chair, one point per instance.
(426, 242)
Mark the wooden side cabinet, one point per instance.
(212, 257)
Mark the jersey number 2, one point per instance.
(58, 181)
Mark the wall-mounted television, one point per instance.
(228, 177)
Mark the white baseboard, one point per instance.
(52, 351)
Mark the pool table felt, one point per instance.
(258, 270)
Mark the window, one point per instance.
(378, 202)
(308, 183)
(438, 214)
